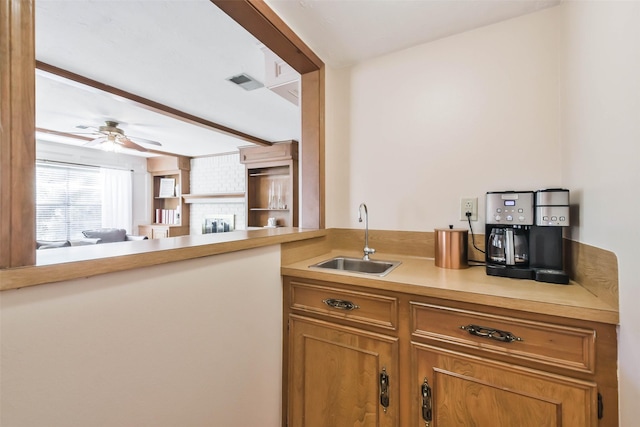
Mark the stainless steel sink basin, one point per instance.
(357, 265)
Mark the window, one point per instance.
(70, 199)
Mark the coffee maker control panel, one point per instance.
(510, 208)
(552, 208)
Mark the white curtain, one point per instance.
(117, 199)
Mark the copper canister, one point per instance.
(451, 248)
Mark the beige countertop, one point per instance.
(59, 264)
(416, 275)
(420, 276)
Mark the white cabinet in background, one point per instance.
(281, 78)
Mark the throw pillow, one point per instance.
(84, 242)
(48, 244)
(107, 235)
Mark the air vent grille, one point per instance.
(245, 81)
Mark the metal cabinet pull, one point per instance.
(384, 389)
(427, 409)
(494, 334)
(340, 304)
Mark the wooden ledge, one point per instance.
(59, 264)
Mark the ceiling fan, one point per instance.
(113, 137)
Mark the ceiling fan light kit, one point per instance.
(113, 138)
(111, 144)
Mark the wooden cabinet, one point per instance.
(162, 231)
(342, 371)
(169, 216)
(341, 376)
(453, 363)
(464, 390)
(272, 184)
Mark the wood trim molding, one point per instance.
(145, 103)
(17, 124)
(63, 134)
(260, 20)
(312, 153)
(257, 18)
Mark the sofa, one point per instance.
(91, 237)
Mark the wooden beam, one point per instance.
(147, 104)
(17, 143)
(63, 134)
(259, 19)
(312, 158)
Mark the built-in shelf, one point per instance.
(191, 198)
(272, 180)
(169, 216)
(274, 173)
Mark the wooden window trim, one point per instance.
(17, 117)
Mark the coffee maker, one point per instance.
(523, 235)
(510, 216)
(545, 238)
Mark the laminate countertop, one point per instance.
(420, 276)
(60, 264)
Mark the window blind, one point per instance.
(68, 200)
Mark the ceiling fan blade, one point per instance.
(144, 141)
(96, 141)
(127, 143)
(87, 127)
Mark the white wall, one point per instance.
(601, 148)
(455, 118)
(547, 99)
(192, 343)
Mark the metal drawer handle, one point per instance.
(494, 334)
(427, 409)
(384, 389)
(340, 304)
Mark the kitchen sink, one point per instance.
(358, 265)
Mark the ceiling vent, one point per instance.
(246, 82)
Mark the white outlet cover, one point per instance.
(469, 203)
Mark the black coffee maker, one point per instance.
(545, 238)
(523, 235)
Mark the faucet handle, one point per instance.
(368, 251)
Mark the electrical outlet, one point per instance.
(469, 204)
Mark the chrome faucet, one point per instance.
(367, 250)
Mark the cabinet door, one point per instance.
(159, 232)
(335, 376)
(471, 391)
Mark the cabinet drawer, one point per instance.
(547, 343)
(358, 307)
(280, 151)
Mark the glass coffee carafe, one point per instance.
(496, 249)
(508, 246)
